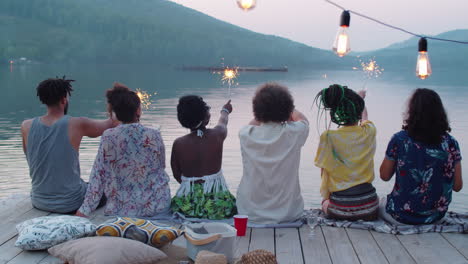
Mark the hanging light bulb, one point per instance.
(423, 66)
(341, 44)
(246, 5)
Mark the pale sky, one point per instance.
(315, 22)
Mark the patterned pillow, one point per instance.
(153, 234)
(47, 231)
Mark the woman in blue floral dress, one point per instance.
(426, 161)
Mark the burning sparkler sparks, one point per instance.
(145, 98)
(229, 76)
(370, 68)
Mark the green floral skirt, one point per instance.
(196, 204)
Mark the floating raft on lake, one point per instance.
(291, 245)
(241, 69)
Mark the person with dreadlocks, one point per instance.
(425, 159)
(346, 156)
(196, 162)
(51, 144)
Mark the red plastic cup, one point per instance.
(240, 223)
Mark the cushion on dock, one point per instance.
(47, 231)
(148, 232)
(106, 250)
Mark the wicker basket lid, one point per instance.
(259, 256)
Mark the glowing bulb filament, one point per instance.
(246, 4)
(342, 43)
(423, 66)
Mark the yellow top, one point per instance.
(346, 156)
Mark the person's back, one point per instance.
(196, 163)
(201, 156)
(129, 169)
(425, 159)
(54, 167)
(269, 192)
(346, 156)
(51, 145)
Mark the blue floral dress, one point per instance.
(424, 178)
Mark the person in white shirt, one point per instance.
(270, 192)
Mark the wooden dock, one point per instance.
(291, 245)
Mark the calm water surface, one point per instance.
(386, 102)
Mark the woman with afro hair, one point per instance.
(270, 192)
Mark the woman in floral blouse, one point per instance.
(129, 166)
(426, 161)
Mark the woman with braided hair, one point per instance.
(346, 156)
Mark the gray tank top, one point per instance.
(54, 167)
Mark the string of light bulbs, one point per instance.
(341, 45)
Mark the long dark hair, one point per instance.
(426, 120)
(345, 105)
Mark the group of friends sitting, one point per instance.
(129, 178)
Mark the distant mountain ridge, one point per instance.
(448, 60)
(135, 31)
(458, 34)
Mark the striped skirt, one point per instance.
(358, 202)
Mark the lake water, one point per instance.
(385, 101)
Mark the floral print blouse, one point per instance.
(424, 178)
(129, 171)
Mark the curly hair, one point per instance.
(345, 105)
(272, 103)
(52, 90)
(426, 120)
(192, 111)
(123, 102)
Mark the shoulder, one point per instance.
(368, 125)
(26, 124)
(152, 131)
(299, 125)
(403, 134)
(450, 139)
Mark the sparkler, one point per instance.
(370, 69)
(229, 76)
(145, 98)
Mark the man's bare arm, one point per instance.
(94, 128)
(25, 127)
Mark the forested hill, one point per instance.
(141, 31)
(444, 56)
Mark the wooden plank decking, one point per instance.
(291, 245)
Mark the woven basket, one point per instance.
(259, 256)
